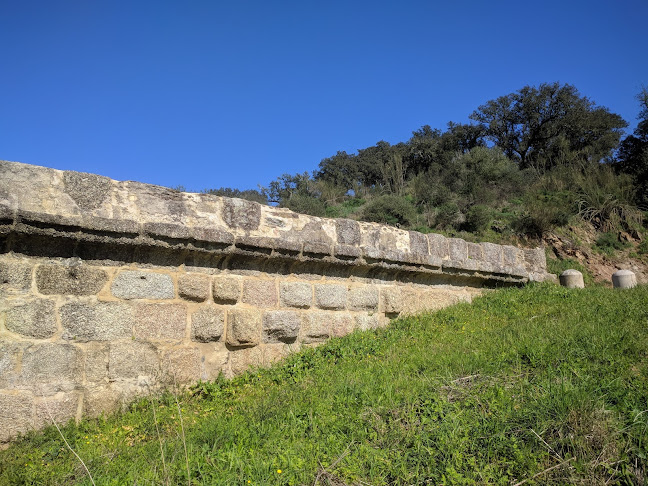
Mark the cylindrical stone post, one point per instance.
(624, 279)
(572, 279)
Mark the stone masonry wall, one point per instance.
(110, 290)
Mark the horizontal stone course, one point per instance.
(136, 284)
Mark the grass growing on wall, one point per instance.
(541, 385)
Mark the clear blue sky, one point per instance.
(212, 93)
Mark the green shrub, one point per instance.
(478, 218)
(609, 243)
(306, 204)
(390, 209)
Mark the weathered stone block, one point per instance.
(492, 254)
(392, 300)
(214, 357)
(194, 287)
(135, 284)
(296, 294)
(96, 321)
(260, 293)
(96, 362)
(458, 249)
(475, 251)
(70, 279)
(167, 230)
(418, 244)
(181, 366)
(241, 214)
(280, 326)
(104, 399)
(34, 318)
(60, 408)
(511, 254)
(342, 324)
(129, 360)
(331, 296)
(243, 327)
(160, 321)
(535, 258)
(10, 353)
(363, 298)
(52, 367)
(316, 327)
(438, 245)
(15, 276)
(226, 289)
(89, 191)
(16, 414)
(366, 322)
(207, 324)
(348, 232)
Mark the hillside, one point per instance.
(540, 385)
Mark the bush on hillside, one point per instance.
(390, 209)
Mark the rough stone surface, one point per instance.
(160, 321)
(296, 294)
(316, 327)
(128, 360)
(33, 318)
(15, 276)
(260, 293)
(572, 279)
(226, 289)
(624, 279)
(239, 213)
(207, 324)
(348, 232)
(280, 326)
(367, 322)
(16, 411)
(135, 284)
(243, 327)
(194, 287)
(70, 279)
(181, 365)
(10, 353)
(96, 321)
(51, 367)
(331, 296)
(96, 362)
(363, 298)
(88, 191)
(60, 408)
(438, 245)
(418, 244)
(458, 250)
(392, 302)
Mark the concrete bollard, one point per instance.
(624, 279)
(572, 279)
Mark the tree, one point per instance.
(633, 152)
(542, 127)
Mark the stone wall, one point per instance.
(110, 290)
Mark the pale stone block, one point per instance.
(316, 326)
(363, 298)
(342, 324)
(10, 353)
(392, 301)
(135, 284)
(366, 322)
(260, 356)
(160, 321)
(33, 318)
(239, 213)
(214, 358)
(280, 326)
(207, 323)
(181, 366)
(296, 294)
(348, 232)
(243, 327)
(97, 321)
(130, 360)
(102, 400)
(226, 289)
(438, 245)
(16, 414)
(59, 409)
(51, 367)
(331, 296)
(458, 250)
(260, 293)
(194, 287)
(74, 279)
(96, 362)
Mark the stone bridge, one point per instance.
(109, 290)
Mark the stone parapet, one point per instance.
(110, 290)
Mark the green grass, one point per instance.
(523, 382)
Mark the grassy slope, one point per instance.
(494, 392)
